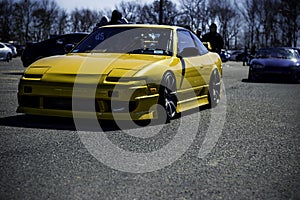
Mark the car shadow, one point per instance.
(62, 123)
(54, 123)
(271, 80)
(13, 73)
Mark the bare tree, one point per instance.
(130, 10)
(6, 10)
(23, 22)
(249, 10)
(169, 11)
(225, 13)
(87, 20)
(194, 13)
(259, 22)
(290, 21)
(44, 18)
(62, 22)
(264, 23)
(150, 13)
(83, 20)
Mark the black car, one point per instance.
(276, 62)
(50, 47)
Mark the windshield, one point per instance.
(277, 53)
(133, 40)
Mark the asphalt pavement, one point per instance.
(246, 148)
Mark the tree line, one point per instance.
(242, 23)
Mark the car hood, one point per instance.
(89, 66)
(275, 62)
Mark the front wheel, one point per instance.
(252, 76)
(167, 97)
(214, 93)
(296, 78)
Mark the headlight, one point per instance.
(257, 66)
(35, 72)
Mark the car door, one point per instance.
(205, 59)
(2, 51)
(191, 60)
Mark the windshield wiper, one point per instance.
(150, 51)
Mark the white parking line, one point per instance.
(11, 71)
(9, 78)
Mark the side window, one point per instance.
(202, 49)
(1, 46)
(184, 40)
(76, 38)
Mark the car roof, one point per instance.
(63, 35)
(146, 26)
(3, 43)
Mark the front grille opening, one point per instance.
(29, 101)
(56, 103)
(66, 104)
(27, 89)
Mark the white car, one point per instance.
(13, 49)
(5, 53)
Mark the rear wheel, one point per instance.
(167, 98)
(8, 57)
(214, 93)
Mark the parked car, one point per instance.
(5, 52)
(20, 48)
(13, 49)
(297, 49)
(50, 47)
(125, 72)
(236, 55)
(225, 55)
(274, 62)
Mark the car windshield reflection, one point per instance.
(276, 53)
(154, 41)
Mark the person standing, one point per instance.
(116, 18)
(252, 52)
(245, 56)
(104, 20)
(214, 38)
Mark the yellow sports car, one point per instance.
(124, 72)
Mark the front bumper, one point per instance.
(104, 102)
(276, 72)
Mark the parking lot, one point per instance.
(254, 153)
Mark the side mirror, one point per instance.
(68, 47)
(189, 52)
(207, 45)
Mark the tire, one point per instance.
(251, 76)
(167, 98)
(8, 57)
(214, 91)
(295, 78)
